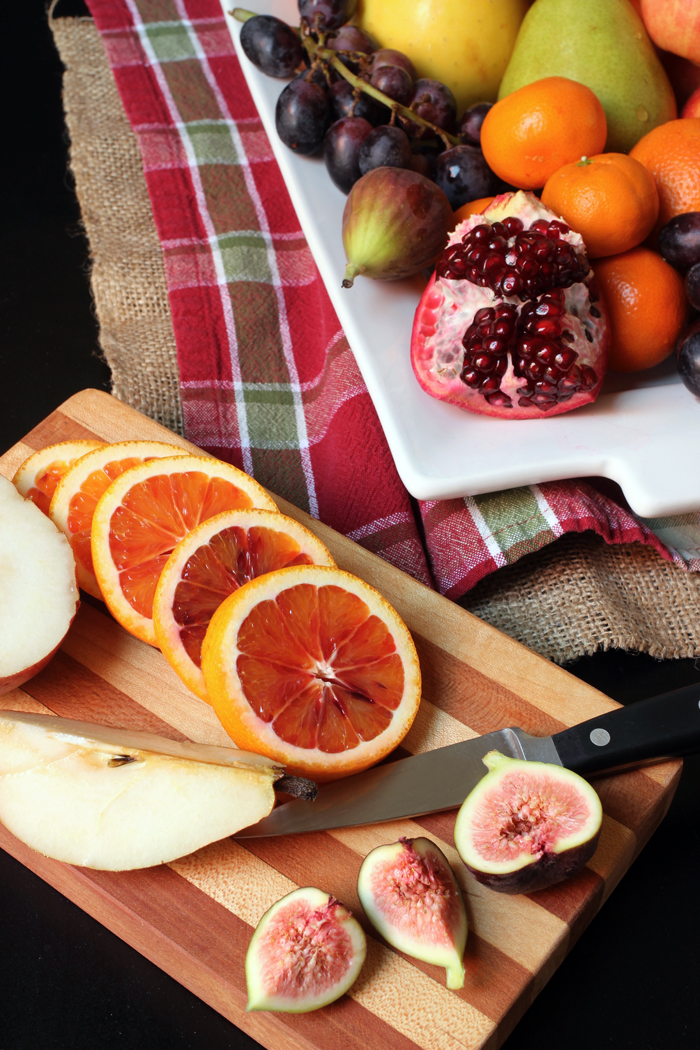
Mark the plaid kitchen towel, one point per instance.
(267, 377)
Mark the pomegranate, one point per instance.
(510, 324)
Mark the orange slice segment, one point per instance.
(213, 561)
(39, 475)
(313, 667)
(142, 517)
(76, 495)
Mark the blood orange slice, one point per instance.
(142, 517)
(313, 667)
(76, 495)
(39, 475)
(213, 561)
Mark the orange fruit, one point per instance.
(671, 152)
(610, 199)
(213, 561)
(530, 134)
(145, 513)
(76, 495)
(313, 667)
(471, 208)
(647, 307)
(39, 475)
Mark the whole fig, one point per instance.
(395, 224)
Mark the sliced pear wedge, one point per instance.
(117, 799)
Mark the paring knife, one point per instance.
(666, 726)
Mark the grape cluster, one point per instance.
(364, 106)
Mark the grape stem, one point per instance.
(331, 58)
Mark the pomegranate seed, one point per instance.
(513, 224)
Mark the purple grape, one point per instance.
(435, 102)
(341, 150)
(387, 56)
(394, 82)
(463, 175)
(327, 14)
(302, 116)
(688, 358)
(352, 38)
(692, 286)
(344, 104)
(385, 147)
(469, 128)
(272, 45)
(679, 240)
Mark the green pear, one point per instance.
(603, 44)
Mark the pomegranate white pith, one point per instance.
(510, 324)
(38, 588)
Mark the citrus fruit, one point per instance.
(610, 199)
(313, 667)
(529, 135)
(671, 153)
(39, 475)
(145, 513)
(647, 308)
(76, 495)
(212, 561)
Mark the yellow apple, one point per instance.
(466, 44)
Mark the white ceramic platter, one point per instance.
(643, 433)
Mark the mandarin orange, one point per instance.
(610, 199)
(647, 308)
(530, 134)
(671, 153)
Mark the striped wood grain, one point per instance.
(195, 916)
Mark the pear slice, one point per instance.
(117, 800)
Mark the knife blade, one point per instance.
(662, 727)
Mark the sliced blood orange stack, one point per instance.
(213, 561)
(76, 495)
(39, 475)
(313, 667)
(142, 517)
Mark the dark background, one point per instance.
(66, 982)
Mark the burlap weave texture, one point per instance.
(573, 597)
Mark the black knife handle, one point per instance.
(665, 726)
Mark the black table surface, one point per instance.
(630, 982)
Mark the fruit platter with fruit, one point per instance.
(521, 292)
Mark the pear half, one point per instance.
(115, 799)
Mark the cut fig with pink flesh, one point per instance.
(410, 895)
(307, 950)
(527, 825)
(511, 324)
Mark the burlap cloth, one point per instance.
(573, 597)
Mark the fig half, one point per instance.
(305, 953)
(527, 825)
(410, 895)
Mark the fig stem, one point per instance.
(351, 272)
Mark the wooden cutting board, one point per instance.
(194, 917)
